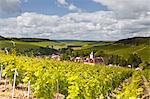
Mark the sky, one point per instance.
(75, 19)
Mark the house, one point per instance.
(55, 56)
(79, 59)
(138, 69)
(92, 60)
(129, 66)
(95, 60)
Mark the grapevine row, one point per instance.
(73, 80)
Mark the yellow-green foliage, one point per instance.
(74, 80)
(132, 89)
(147, 75)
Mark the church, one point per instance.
(94, 60)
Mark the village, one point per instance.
(92, 60)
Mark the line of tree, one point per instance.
(134, 60)
(32, 51)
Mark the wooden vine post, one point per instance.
(57, 86)
(14, 82)
(6, 51)
(6, 82)
(29, 89)
(1, 73)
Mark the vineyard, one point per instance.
(50, 79)
(147, 75)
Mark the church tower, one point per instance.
(92, 55)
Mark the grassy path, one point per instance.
(135, 87)
(139, 50)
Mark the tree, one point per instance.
(67, 50)
(65, 57)
(75, 54)
(110, 60)
(114, 59)
(123, 63)
(134, 60)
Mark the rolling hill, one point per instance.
(2, 38)
(25, 43)
(124, 47)
(135, 41)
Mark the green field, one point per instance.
(19, 45)
(121, 49)
(56, 45)
(125, 50)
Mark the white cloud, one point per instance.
(62, 2)
(127, 8)
(127, 18)
(101, 25)
(70, 6)
(8, 7)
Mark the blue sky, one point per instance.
(52, 7)
(75, 19)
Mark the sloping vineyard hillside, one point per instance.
(48, 78)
